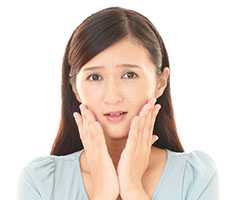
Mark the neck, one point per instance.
(115, 148)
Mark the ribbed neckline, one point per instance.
(157, 188)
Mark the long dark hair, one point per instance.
(96, 33)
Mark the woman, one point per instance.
(117, 137)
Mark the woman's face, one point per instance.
(114, 86)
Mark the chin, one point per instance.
(116, 133)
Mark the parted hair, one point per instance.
(96, 33)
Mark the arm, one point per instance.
(136, 194)
(200, 181)
(211, 191)
(26, 188)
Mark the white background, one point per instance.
(33, 38)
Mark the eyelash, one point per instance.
(97, 74)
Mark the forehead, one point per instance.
(124, 53)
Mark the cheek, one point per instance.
(91, 92)
(138, 91)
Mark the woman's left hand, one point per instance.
(135, 157)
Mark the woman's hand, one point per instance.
(135, 157)
(102, 172)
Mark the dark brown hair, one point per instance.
(96, 33)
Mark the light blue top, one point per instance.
(186, 176)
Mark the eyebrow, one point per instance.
(121, 65)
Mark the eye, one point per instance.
(92, 75)
(132, 73)
(96, 75)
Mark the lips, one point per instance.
(114, 114)
(116, 117)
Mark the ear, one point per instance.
(162, 81)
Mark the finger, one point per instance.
(146, 136)
(85, 131)
(151, 122)
(144, 109)
(154, 138)
(93, 127)
(89, 114)
(98, 137)
(155, 112)
(79, 121)
(154, 119)
(142, 115)
(144, 123)
(133, 136)
(90, 134)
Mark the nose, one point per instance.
(112, 92)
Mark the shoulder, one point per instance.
(199, 174)
(197, 161)
(38, 175)
(42, 166)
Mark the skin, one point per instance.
(112, 89)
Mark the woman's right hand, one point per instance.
(102, 172)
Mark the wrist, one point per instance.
(135, 194)
(102, 198)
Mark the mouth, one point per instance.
(115, 117)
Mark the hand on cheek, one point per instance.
(97, 157)
(134, 159)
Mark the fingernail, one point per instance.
(82, 107)
(75, 116)
(152, 101)
(146, 107)
(158, 106)
(156, 137)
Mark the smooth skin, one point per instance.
(126, 180)
(114, 86)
